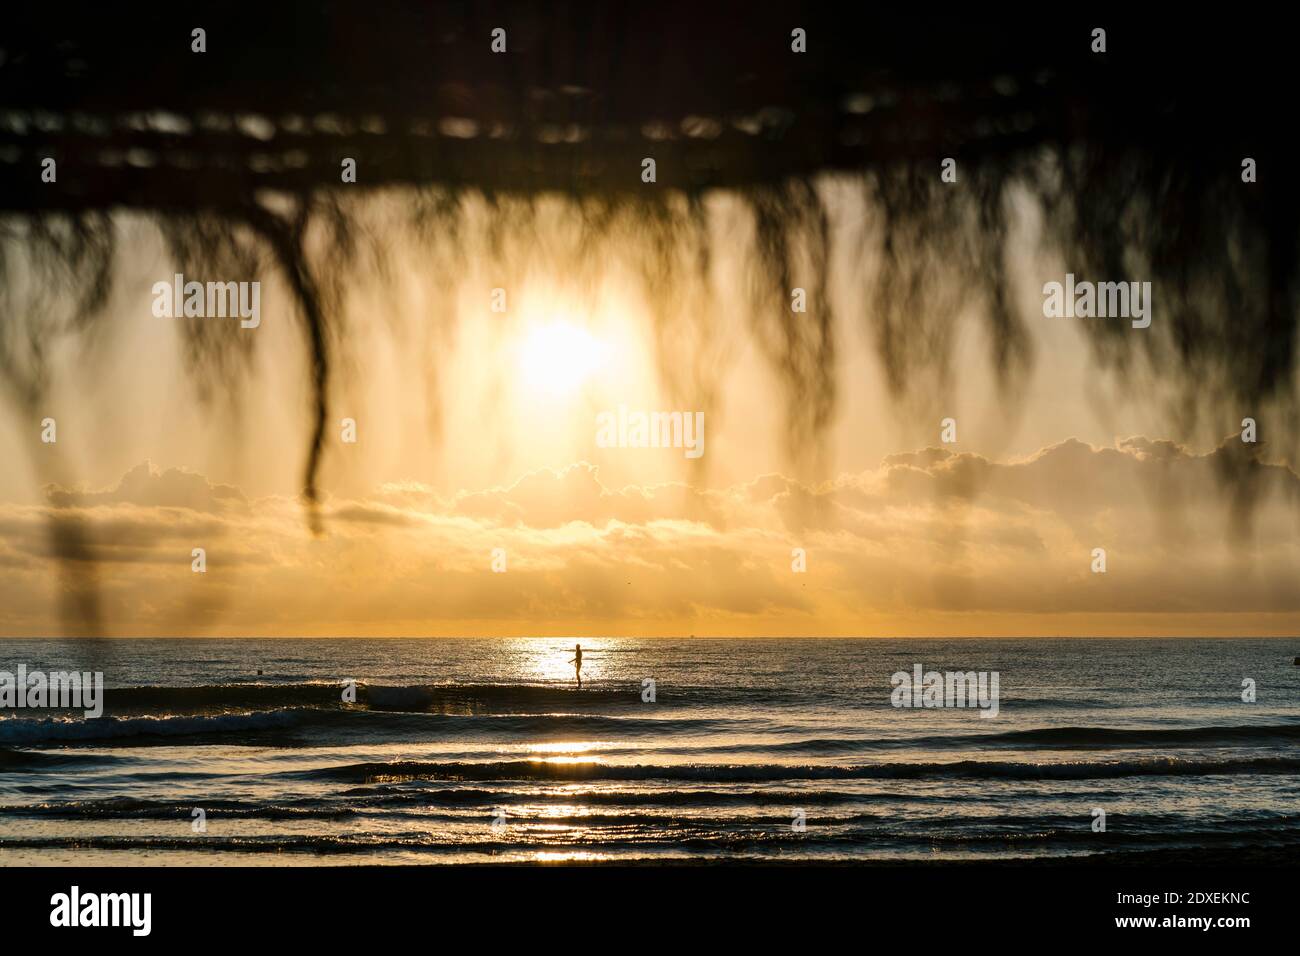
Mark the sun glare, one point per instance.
(557, 358)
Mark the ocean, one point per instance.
(245, 752)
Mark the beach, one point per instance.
(674, 751)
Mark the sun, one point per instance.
(557, 358)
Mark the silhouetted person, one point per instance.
(577, 663)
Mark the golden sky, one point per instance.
(477, 431)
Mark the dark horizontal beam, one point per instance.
(712, 91)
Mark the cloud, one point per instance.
(549, 498)
(147, 486)
(931, 541)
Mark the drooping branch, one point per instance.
(286, 237)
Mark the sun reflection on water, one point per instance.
(553, 661)
(566, 747)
